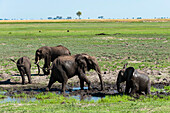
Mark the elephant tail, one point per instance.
(13, 60)
(20, 65)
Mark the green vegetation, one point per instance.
(144, 45)
(2, 96)
(167, 88)
(51, 102)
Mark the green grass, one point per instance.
(51, 102)
(146, 42)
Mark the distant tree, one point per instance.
(79, 14)
(68, 17)
(58, 17)
(100, 17)
(50, 18)
(139, 17)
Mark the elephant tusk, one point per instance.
(36, 62)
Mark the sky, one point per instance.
(42, 9)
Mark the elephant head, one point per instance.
(41, 53)
(86, 63)
(125, 74)
(121, 78)
(38, 56)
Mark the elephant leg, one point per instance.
(83, 78)
(22, 76)
(81, 84)
(47, 65)
(52, 80)
(147, 91)
(64, 80)
(28, 73)
(64, 87)
(38, 69)
(134, 89)
(46, 72)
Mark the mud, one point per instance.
(72, 90)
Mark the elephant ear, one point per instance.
(81, 62)
(121, 74)
(129, 73)
(91, 61)
(39, 52)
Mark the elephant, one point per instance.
(136, 81)
(65, 67)
(24, 67)
(49, 54)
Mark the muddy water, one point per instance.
(71, 92)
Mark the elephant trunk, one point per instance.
(100, 77)
(37, 63)
(120, 79)
(118, 86)
(36, 60)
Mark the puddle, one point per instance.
(89, 98)
(2, 92)
(18, 100)
(85, 97)
(78, 88)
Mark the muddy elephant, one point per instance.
(136, 81)
(49, 54)
(24, 67)
(65, 67)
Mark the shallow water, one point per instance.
(78, 88)
(88, 98)
(18, 100)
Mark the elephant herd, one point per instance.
(64, 66)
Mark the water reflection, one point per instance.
(78, 88)
(89, 98)
(18, 100)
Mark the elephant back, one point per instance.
(59, 51)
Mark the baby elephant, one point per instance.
(135, 80)
(24, 67)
